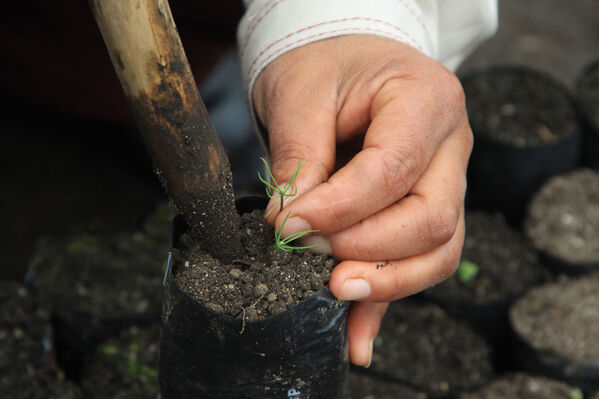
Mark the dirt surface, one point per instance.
(125, 367)
(27, 367)
(421, 345)
(518, 107)
(561, 318)
(507, 266)
(587, 91)
(362, 386)
(525, 386)
(114, 275)
(261, 284)
(563, 217)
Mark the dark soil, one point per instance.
(561, 318)
(525, 387)
(419, 344)
(563, 217)
(362, 386)
(125, 367)
(507, 266)
(27, 367)
(109, 275)
(519, 107)
(259, 285)
(588, 94)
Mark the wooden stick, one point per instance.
(188, 156)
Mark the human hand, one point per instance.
(394, 213)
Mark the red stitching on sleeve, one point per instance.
(281, 49)
(420, 21)
(399, 29)
(250, 31)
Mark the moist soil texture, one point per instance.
(507, 265)
(588, 94)
(115, 275)
(364, 386)
(262, 283)
(27, 367)
(525, 386)
(563, 217)
(420, 345)
(519, 107)
(125, 367)
(561, 318)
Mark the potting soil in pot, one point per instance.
(525, 129)
(98, 284)
(563, 218)
(560, 323)
(125, 367)
(421, 345)
(526, 387)
(113, 275)
(263, 283)
(27, 367)
(519, 107)
(504, 267)
(364, 386)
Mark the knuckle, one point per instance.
(453, 90)
(442, 221)
(397, 165)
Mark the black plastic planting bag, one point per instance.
(301, 353)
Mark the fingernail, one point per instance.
(295, 225)
(320, 245)
(354, 289)
(370, 352)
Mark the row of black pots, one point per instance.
(204, 355)
(527, 127)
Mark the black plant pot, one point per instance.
(552, 325)
(300, 353)
(525, 130)
(587, 98)
(562, 225)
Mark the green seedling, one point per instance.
(274, 190)
(283, 243)
(466, 270)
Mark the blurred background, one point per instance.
(70, 159)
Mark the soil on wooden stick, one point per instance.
(563, 217)
(525, 386)
(519, 108)
(259, 285)
(561, 318)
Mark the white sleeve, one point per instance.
(446, 30)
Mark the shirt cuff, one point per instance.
(270, 28)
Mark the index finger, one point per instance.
(408, 126)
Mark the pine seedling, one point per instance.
(274, 190)
(283, 243)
